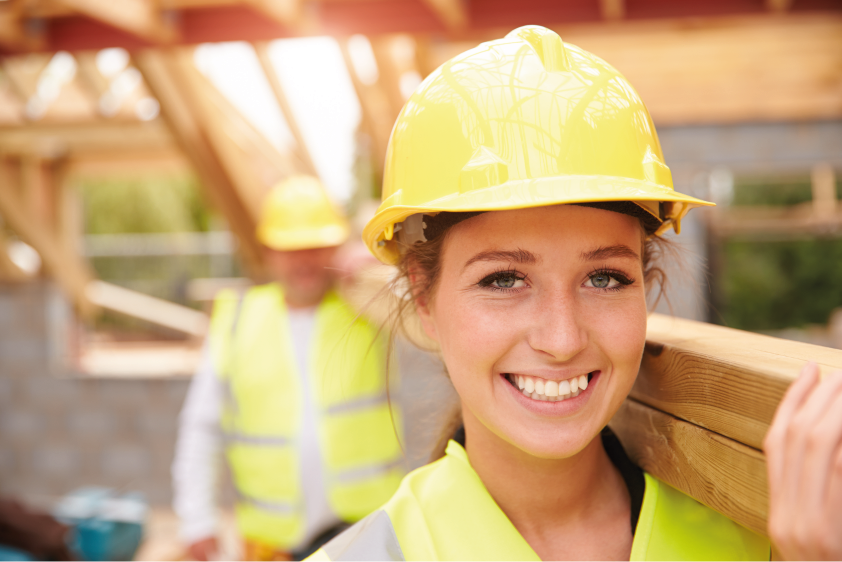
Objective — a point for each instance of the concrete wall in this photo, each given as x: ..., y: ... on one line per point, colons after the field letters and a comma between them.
x: 59, y: 431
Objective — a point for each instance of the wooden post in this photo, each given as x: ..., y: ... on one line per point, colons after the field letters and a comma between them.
x: 70, y: 271
x: 162, y: 75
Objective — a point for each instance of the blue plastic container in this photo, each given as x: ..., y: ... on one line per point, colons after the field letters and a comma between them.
x: 105, y: 525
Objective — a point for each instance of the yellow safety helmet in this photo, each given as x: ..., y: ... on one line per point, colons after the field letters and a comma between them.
x: 298, y: 215
x: 520, y: 122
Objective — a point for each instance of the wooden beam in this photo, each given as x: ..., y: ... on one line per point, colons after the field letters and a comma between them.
x: 452, y: 13
x: 9, y: 271
x: 15, y: 34
x: 157, y: 311
x: 719, y: 472
x: 103, y: 136
x: 769, y: 224
x: 163, y: 76
x: 70, y: 271
x: 254, y: 164
x: 721, y: 379
x: 612, y: 10
x: 778, y: 6
x: 138, y: 17
x: 377, y: 115
x: 301, y: 152
x: 288, y: 13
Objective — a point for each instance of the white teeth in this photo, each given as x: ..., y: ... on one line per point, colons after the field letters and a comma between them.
x: 563, y: 388
x: 549, y: 391
x: 551, y: 388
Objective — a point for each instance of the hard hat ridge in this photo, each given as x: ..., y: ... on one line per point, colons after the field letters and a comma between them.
x: 547, y: 45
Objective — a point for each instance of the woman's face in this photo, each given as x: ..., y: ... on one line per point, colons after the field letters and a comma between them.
x: 531, y: 300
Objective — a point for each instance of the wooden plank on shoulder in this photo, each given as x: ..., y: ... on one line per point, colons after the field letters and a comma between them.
x: 717, y: 471
x: 721, y: 379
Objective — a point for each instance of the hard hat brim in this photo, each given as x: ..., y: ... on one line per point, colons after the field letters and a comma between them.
x: 309, y: 239
x: 520, y: 194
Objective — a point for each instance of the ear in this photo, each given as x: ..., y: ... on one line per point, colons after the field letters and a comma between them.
x: 422, y: 307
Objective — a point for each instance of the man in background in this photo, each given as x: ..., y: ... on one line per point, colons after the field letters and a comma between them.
x: 292, y: 388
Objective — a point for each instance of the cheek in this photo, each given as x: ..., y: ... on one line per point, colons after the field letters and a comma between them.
x: 620, y: 332
x: 472, y: 337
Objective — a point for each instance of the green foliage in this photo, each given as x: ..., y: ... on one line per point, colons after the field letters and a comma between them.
x: 779, y: 192
x: 144, y: 205
x: 775, y: 285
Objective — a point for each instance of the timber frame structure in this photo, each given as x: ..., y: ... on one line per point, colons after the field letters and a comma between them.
x: 705, y: 396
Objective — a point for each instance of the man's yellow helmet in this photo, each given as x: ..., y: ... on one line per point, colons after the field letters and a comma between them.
x: 298, y: 215
x: 519, y: 122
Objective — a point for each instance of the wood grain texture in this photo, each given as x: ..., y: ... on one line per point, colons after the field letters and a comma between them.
x: 725, y: 380
x: 719, y: 472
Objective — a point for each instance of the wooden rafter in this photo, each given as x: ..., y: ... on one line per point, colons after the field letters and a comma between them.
x: 778, y: 6
x: 612, y: 10
x: 452, y: 13
x: 71, y: 272
x: 377, y: 114
x: 97, y: 136
x: 163, y: 75
x: 142, y: 18
x: 14, y: 33
x: 288, y: 13
x: 301, y: 150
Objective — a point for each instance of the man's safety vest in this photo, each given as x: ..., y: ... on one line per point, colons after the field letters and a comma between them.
x: 261, y: 421
x: 443, y: 512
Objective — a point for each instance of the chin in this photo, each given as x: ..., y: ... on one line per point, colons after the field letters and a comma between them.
x: 555, y: 444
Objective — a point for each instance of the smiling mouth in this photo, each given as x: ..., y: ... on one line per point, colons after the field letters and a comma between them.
x: 549, y: 391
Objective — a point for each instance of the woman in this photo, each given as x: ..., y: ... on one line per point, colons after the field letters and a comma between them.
x: 524, y: 197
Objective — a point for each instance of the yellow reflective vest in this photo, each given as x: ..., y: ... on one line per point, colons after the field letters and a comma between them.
x: 443, y: 512
x: 261, y: 420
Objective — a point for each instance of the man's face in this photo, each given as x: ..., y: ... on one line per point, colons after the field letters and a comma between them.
x: 305, y: 275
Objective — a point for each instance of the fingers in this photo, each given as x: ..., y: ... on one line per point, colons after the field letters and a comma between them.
x: 773, y: 443
x: 822, y: 439
x: 804, y: 454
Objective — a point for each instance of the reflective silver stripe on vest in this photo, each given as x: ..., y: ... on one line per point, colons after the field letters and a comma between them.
x: 360, y: 404
x: 362, y: 473
x: 372, y: 538
x: 256, y: 440
x: 278, y: 508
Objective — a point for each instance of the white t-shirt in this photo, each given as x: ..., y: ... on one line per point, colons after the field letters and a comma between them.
x: 198, y: 449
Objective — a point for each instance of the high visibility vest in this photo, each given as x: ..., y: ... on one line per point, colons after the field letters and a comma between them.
x: 443, y: 512
x: 262, y: 413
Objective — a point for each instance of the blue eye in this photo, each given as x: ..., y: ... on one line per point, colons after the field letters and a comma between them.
x: 503, y: 280
x: 608, y: 280
x: 601, y: 280
x: 506, y: 282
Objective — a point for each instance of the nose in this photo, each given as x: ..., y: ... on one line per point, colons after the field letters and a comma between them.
x: 560, y: 330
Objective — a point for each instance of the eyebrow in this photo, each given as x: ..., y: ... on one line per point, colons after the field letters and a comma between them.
x: 516, y: 256
x: 605, y: 252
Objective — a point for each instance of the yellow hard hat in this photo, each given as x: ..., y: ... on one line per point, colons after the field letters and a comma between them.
x: 298, y: 215
x: 520, y: 122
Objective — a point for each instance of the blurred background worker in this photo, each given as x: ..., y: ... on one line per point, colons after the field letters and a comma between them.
x: 293, y: 386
